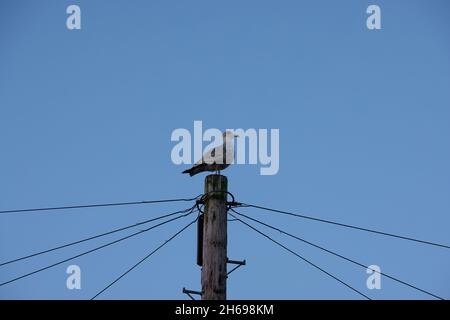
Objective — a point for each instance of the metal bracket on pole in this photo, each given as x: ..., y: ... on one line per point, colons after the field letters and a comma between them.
x: 237, y: 263
x: 191, y: 292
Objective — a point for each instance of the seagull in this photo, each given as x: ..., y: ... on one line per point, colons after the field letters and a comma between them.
x: 216, y: 159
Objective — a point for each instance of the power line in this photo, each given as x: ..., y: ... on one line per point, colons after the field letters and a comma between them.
x: 97, y: 205
x: 348, y: 226
x: 145, y: 258
x: 93, y: 237
x: 95, y: 249
x: 300, y: 257
x: 337, y: 254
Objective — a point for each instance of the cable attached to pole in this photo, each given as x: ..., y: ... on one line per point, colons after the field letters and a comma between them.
x: 145, y: 258
x: 347, y: 225
x: 93, y: 237
x: 301, y: 257
x: 95, y: 249
x: 337, y: 255
x: 97, y: 205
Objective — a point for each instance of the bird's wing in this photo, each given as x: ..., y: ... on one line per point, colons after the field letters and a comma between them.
x: 212, y: 156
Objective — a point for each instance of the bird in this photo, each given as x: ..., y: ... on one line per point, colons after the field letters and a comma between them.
x: 216, y: 159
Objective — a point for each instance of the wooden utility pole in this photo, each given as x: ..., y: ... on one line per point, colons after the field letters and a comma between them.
x: 214, y: 250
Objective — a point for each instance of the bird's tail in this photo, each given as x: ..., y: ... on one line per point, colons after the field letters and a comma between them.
x: 194, y: 170
x: 189, y: 171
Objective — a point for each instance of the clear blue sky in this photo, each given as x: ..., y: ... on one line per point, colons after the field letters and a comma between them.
x: 86, y: 116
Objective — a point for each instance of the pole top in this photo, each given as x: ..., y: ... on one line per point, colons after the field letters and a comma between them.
x: 216, y: 185
x: 215, y: 176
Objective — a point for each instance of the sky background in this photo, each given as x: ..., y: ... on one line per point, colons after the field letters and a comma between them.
x: 86, y: 117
